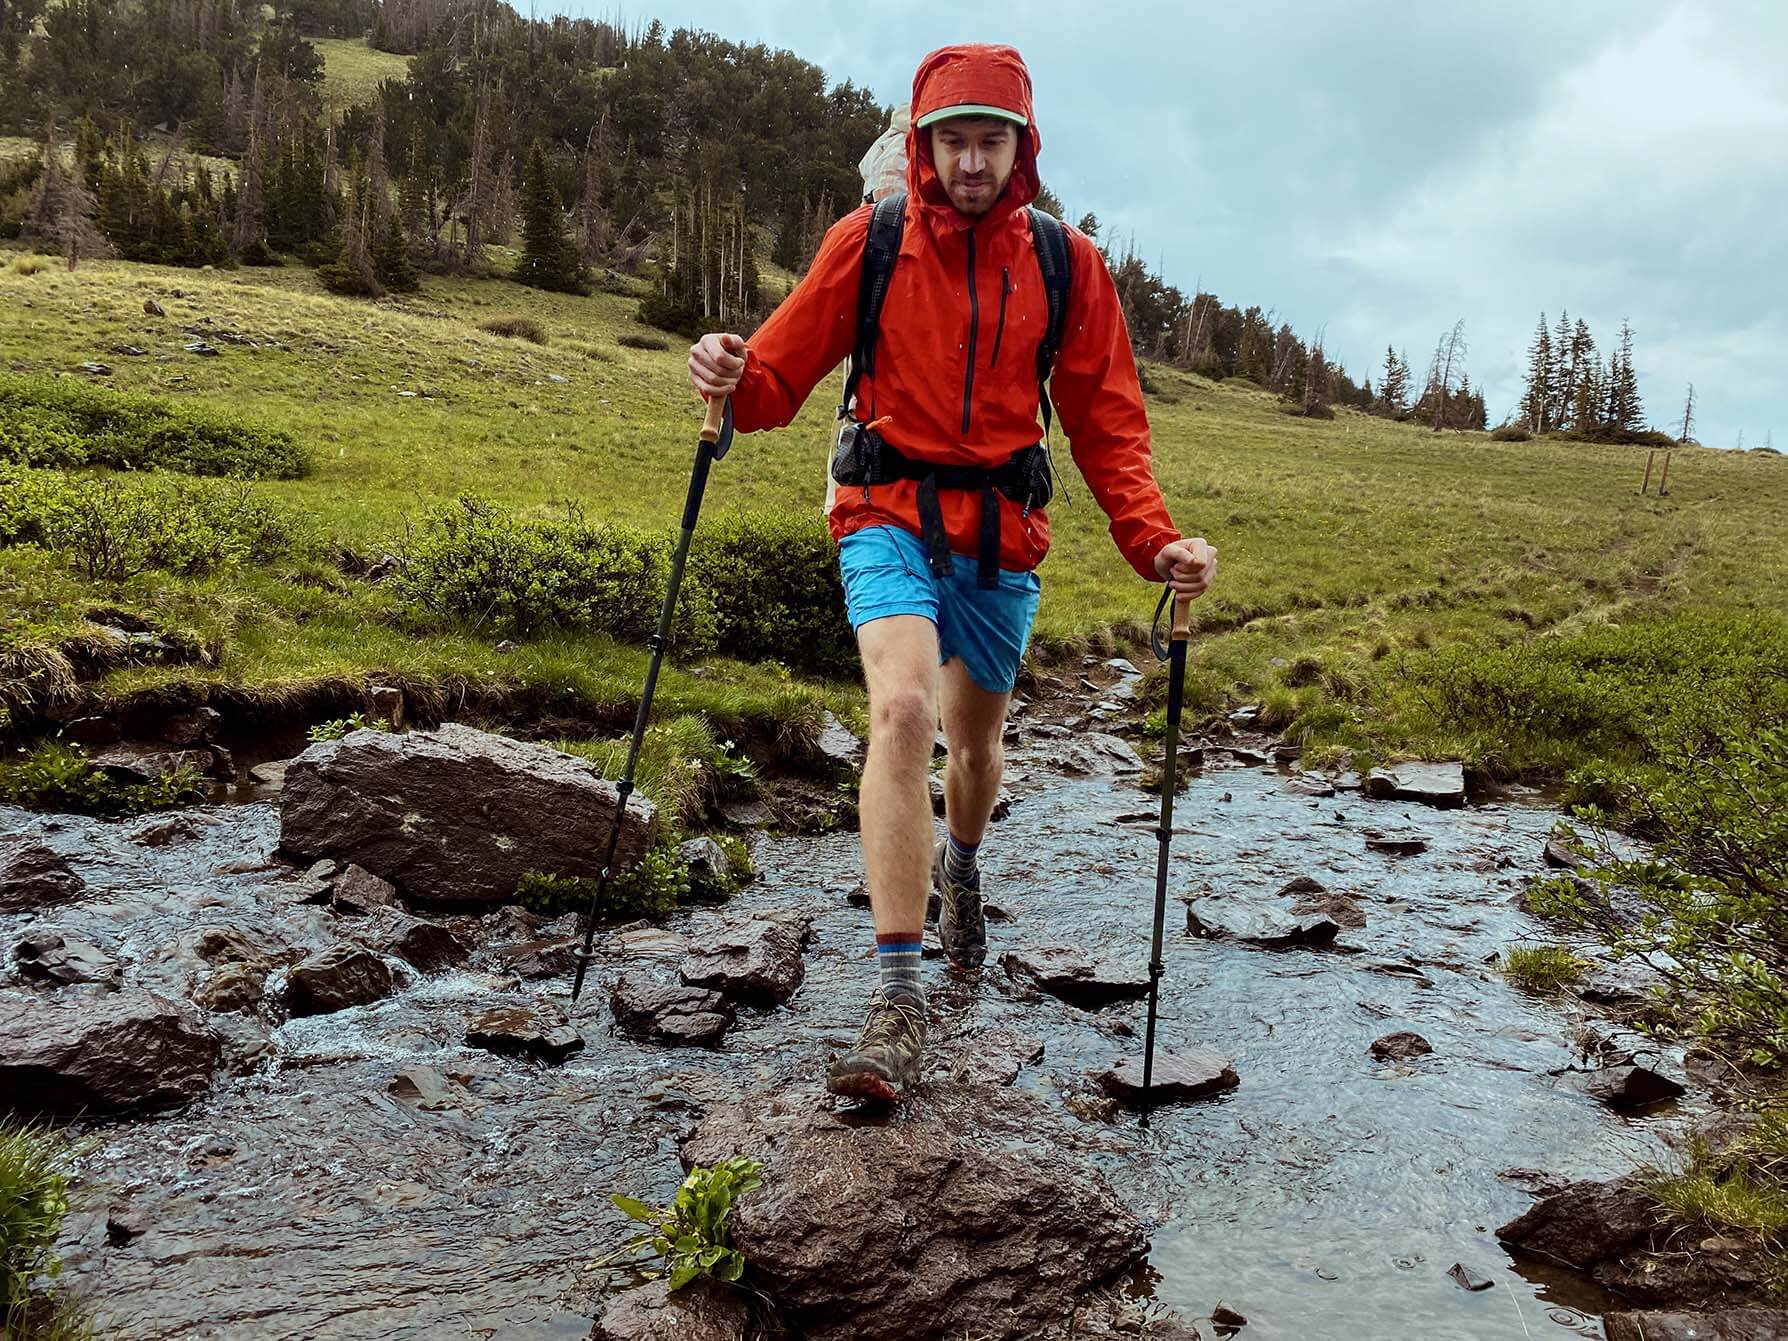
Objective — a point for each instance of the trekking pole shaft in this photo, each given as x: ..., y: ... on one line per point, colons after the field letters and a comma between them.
x: 1176, y: 689
x: 692, y: 506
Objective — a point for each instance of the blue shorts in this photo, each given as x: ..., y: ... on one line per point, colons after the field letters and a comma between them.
x: 885, y: 573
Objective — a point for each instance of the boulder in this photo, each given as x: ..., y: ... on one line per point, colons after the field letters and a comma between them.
x: 524, y: 1030
x: 548, y: 957
x: 669, y: 1013
x: 1733, y: 1324
x: 46, y: 957
x: 703, y: 1310
x: 232, y: 989
x: 1094, y: 754
x: 937, y: 1223
x: 428, y: 946
x: 709, y: 870
x: 752, y: 959
x: 99, y: 1051
x: 1180, y: 1074
x: 1274, y: 924
x: 1402, y: 1046
x: 1431, y: 784
x: 995, y: 1057
x: 358, y: 890
x: 455, y: 814
x: 132, y: 761
x: 34, y: 876
x: 1558, y: 854
x: 226, y: 945
x: 1629, y: 1086
x: 1076, y: 976
x: 1583, y: 1222
x: 339, y: 977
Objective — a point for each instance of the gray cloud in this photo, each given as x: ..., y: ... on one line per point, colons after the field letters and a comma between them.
x: 1382, y: 170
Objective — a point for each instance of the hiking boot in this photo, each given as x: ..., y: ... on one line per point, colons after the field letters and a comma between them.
x: 886, y: 1058
x: 961, y: 924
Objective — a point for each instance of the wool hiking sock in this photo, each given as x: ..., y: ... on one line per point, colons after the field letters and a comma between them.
x: 898, y: 956
x: 959, y: 861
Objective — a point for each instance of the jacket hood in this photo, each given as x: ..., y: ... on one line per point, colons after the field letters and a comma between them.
x: 972, y: 74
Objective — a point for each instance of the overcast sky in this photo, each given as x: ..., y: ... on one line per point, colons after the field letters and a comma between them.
x: 1380, y: 170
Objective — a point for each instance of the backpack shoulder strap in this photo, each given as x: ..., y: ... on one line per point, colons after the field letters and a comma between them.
x: 881, y: 248
x: 1050, y: 238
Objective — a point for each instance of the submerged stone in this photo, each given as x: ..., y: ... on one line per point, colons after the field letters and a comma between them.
x: 1075, y: 975
x: 1179, y: 1075
x: 1629, y: 1086
x: 33, y: 876
x: 525, y: 1031
x: 1402, y: 1046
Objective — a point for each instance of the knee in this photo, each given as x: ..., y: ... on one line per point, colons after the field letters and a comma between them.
x: 978, y: 758
x: 905, y: 723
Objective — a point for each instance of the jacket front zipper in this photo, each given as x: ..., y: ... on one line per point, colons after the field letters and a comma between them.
x: 968, y: 381
x: 999, y: 330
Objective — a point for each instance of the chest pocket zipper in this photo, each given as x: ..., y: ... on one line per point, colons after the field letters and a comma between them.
x: 999, y: 330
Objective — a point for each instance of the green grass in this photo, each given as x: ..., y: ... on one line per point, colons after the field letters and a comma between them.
x: 1542, y: 969
x: 352, y: 70
x: 1742, y: 1191
x: 1354, y: 553
x: 34, y: 1183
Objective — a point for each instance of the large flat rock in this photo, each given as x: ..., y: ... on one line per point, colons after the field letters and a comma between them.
x: 1076, y: 976
x: 934, y: 1222
x: 1430, y: 784
x: 455, y: 814
x: 97, y: 1050
x: 1584, y: 1222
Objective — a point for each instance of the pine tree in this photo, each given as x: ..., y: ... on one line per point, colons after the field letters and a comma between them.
x: 248, y: 234
x: 391, y: 258
x: 1393, y: 383
x: 549, y: 259
x: 1560, y: 386
x: 592, y: 219
x: 63, y: 210
x: 1626, y: 412
x: 1536, y: 399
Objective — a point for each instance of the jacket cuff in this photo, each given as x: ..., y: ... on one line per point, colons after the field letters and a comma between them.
x: 1142, y: 553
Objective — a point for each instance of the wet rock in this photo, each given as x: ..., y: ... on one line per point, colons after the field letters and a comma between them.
x: 1094, y: 754
x: 1341, y: 909
x: 752, y: 959
x: 358, y: 890
x: 646, y: 941
x: 549, y: 957
x: 995, y: 1057
x: 701, y: 1311
x: 34, y: 876
x: 336, y: 979
x: 1310, y: 784
x: 1076, y: 976
x: 427, y: 1089
x: 522, y: 1030
x: 46, y: 957
x: 1584, y: 1222
x: 1179, y: 1075
x: 428, y: 946
x: 837, y: 745
x: 1402, y: 1046
x: 99, y: 1051
x: 1432, y: 784
x: 668, y: 1013
x: 967, y: 1234
x: 707, y: 863
x: 197, y: 727
x: 270, y: 776
x: 226, y: 945
x: 132, y: 761
x: 1396, y: 844
x: 1467, y: 1279
x: 1734, y: 1324
x: 246, y: 1045
x: 1619, y: 986
x: 1558, y: 854
x: 1274, y: 924
x: 1629, y: 1086
x: 232, y: 989
x: 747, y: 814
x: 1002, y: 805
x: 92, y: 730
x: 161, y: 832
x: 388, y: 705
x: 1534, y: 1182
x: 455, y: 813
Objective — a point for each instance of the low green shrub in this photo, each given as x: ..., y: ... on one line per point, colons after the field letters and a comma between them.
x: 61, y: 778
x: 1510, y: 433
x: 62, y: 422
x: 1739, y: 1190
x: 1543, y: 969
x: 515, y: 328
x: 34, y: 1180
x: 777, y: 595
x: 652, y: 890
x: 690, y: 1236
x: 337, y: 727
x: 640, y: 340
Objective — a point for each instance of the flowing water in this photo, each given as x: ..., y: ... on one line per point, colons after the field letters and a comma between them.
x: 1326, y: 1197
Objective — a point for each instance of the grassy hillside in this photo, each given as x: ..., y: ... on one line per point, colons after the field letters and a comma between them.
x: 1346, y: 546
x: 352, y: 70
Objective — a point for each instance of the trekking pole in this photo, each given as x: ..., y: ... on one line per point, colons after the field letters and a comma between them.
x: 716, y: 437
x: 1175, y: 656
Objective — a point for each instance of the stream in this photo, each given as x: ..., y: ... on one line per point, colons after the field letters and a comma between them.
x: 1325, y: 1197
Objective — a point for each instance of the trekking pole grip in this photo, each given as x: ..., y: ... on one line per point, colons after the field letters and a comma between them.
x: 716, y: 417
x: 1182, y: 618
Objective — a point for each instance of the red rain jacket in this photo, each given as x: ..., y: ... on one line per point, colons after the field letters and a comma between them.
x: 933, y: 404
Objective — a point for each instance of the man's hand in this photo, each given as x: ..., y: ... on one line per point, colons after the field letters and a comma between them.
x: 1188, y: 566
x: 715, y: 364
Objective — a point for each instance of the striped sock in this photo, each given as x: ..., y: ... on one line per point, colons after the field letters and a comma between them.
x: 959, y: 860
x: 898, y: 956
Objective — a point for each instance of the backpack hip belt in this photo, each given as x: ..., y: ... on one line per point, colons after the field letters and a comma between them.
x: 864, y: 457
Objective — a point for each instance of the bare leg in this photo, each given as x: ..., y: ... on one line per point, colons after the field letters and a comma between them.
x: 974, y: 724
x: 900, y: 666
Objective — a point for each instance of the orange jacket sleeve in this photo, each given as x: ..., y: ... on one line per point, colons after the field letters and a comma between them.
x: 1099, y: 401
x: 807, y: 336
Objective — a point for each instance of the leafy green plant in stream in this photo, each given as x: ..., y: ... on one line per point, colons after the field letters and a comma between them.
x: 1708, y: 906
x: 337, y: 727
x: 651, y: 890
x: 1543, y: 969
x: 34, y: 1179
x: 58, y: 777
x: 690, y: 1236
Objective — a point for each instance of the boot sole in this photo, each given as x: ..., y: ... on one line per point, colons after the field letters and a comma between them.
x: 865, y: 1087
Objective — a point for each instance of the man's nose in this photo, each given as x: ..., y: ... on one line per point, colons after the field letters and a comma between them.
x: 973, y: 160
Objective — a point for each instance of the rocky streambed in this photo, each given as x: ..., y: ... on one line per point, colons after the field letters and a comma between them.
x: 349, y: 1116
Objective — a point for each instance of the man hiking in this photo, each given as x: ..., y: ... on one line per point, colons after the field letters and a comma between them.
x: 938, y: 516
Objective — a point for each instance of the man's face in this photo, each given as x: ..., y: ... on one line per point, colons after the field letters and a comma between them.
x: 974, y: 156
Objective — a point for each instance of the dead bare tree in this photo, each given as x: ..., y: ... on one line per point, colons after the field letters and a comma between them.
x: 1448, y: 354
x: 1688, y: 415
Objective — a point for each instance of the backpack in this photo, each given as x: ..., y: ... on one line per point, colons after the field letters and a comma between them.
x: 881, y: 248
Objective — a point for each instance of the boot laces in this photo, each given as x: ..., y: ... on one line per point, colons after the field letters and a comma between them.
x: 891, y: 1022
